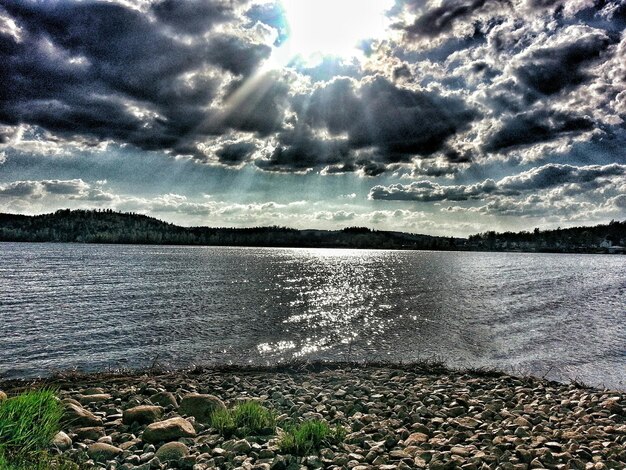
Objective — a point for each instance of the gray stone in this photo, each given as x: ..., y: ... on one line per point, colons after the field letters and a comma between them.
x: 164, y: 399
x: 62, y: 441
x: 172, y: 452
x: 240, y: 447
x: 200, y: 406
x: 92, y: 433
x: 142, y: 414
x: 101, y: 452
x: 75, y: 415
x: 95, y: 398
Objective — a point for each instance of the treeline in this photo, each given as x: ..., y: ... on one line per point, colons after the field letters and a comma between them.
x: 600, y: 238
x: 107, y: 226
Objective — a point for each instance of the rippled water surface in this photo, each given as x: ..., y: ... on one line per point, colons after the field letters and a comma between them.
x: 99, y: 306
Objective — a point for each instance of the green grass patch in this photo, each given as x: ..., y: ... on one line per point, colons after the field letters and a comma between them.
x: 39, y: 461
x: 309, y: 436
x: 246, y: 419
x: 28, y: 423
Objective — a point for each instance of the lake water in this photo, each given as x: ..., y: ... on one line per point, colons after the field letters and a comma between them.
x: 99, y: 306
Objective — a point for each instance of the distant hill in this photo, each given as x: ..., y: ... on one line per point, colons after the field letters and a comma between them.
x: 107, y: 226
x: 607, y: 238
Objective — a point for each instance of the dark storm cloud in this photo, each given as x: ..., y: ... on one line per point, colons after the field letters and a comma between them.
x: 535, y: 127
x: 194, y: 16
x: 235, y: 154
x: 373, y: 125
x: 256, y: 106
x: 103, y: 70
x: 578, y: 179
x: 233, y: 54
x: 183, y: 77
x: 549, y: 70
x: 441, y: 19
x: 37, y: 189
x: 399, y: 123
x: 301, y: 150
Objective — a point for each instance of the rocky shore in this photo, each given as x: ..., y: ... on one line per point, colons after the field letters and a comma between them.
x: 394, y: 418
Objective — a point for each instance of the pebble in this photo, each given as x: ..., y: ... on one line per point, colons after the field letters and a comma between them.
x: 393, y: 419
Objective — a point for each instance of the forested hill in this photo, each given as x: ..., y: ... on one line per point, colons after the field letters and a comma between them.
x: 604, y: 238
x: 106, y: 226
x: 113, y: 227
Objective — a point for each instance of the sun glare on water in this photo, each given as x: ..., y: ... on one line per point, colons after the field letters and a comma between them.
x: 319, y: 28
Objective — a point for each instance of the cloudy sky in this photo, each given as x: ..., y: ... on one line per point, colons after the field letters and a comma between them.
x: 439, y: 117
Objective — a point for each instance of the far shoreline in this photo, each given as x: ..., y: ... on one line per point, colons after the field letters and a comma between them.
x: 421, y: 250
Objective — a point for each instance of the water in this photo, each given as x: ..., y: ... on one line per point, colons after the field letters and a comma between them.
x: 100, y: 306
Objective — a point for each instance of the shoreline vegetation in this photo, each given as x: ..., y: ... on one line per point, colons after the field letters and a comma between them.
x: 299, y: 416
x: 107, y: 226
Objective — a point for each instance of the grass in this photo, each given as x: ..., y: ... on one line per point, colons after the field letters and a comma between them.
x: 309, y: 436
x: 39, y: 461
x: 28, y: 423
x: 246, y: 419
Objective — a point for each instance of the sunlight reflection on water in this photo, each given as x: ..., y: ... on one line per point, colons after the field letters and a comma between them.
x: 96, y: 306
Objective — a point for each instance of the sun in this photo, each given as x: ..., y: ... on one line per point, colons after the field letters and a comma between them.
x: 319, y: 28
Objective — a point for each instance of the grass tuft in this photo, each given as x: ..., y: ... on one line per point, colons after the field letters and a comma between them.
x: 28, y: 422
x: 39, y: 461
x: 309, y: 436
x: 246, y: 419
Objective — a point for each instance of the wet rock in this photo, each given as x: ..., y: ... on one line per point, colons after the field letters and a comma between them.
x: 168, y: 430
x: 142, y: 414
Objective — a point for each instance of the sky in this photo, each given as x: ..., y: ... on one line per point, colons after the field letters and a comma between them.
x: 444, y: 117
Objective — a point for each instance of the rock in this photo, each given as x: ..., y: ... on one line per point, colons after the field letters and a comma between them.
x: 416, y: 438
x: 3, y: 396
x: 279, y: 463
x: 91, y: 433
x: 143, y: 414
x: 164, y: 399
x: 62, y: 441
x: 101, y: 452
x: 456, y: 411
x: 612, y: 405
x: 172, y: 452
x: 200, y: 406
x: 168, y: 430
x: 75, y: 415
x: 95, y: 398
x: 240, y: 447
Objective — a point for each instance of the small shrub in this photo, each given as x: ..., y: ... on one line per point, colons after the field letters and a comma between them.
x: 309, y: 436
x: 245, y: 419
x: 28, y: 423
